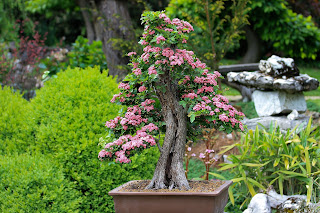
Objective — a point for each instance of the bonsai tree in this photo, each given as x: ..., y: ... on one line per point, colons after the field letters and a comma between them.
x: 169, y: 90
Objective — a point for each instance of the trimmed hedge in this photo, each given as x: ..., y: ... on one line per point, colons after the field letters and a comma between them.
x: 34, y: 184
x: 16, y: 130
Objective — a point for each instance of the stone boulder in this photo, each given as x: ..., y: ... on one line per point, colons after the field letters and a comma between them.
x: 276, y: 66
x: 261, y: 81
x: 282, y: 121
x: 277, y: 102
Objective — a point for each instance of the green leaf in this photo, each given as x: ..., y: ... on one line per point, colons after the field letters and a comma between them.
x: 231, y: 194
x: 256, y: 184
x: 217, y: 175
x: 235, y: 180
x: 253, y: 164
x: 251, y: 189
x: 228, y: 166
x: 192, y: 117
x: 183, y: 103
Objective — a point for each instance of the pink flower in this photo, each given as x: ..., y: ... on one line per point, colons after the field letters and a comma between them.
x: 190, y: 95
x: 137, y: 71
x: 193, y: 154
x: 152, y: 70
x: 151, y: 32
x: 201, y: 155
x: 209, y: 150
x: 189, y: 149
x: 160, y: 38
x: 224, y: 118
x: 142, y: 88
x: 162, y: 15
x: 124, y: 86
x: 115, y: 97
x: 132, y: 53
x: 143, y: 42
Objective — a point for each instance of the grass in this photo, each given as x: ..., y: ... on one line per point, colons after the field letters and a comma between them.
x: 313, y: 105
x: 315, y: 73
x: 248, y: 109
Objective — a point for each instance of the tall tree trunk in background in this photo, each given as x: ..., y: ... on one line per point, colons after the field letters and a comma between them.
x: 86, y: 11
x: 115, y: 23
x: 253, y: 53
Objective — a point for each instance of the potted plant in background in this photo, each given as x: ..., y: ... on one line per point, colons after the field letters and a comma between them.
x: 171, y: 91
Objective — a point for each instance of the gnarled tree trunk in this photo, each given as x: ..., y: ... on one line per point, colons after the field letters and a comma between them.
x: 169, y: 172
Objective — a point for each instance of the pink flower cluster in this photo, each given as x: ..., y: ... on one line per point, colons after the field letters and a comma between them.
x: 132, y: 53
x: 113, y: 123
x: 201, y: 106
x: 160, y: 38
x: 150, y: 49
x: 190, y: 95
x: 142, y: 88
x: 147, y: 105
x: 137, y: 71
x: 115, y: 97
x: 128, y: 143
x: 124, y: 86
x: 132, y: 117
x: 152, y: 70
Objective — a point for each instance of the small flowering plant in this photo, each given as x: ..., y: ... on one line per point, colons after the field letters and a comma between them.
x: 169, y: 90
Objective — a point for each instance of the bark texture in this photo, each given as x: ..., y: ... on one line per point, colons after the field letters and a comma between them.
x: 114, y: 22
x: 169, y: 172
x: 86, y: 14
x: 253, y: 53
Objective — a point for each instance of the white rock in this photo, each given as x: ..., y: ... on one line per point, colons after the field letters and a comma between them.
x: 293, y: 115
x: 275, y: 102
x: 259, y: 204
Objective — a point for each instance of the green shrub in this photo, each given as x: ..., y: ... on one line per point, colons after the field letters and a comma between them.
x: 34, y: 184
x: 287, y: 161
x: 16, y: 131
x: 81, y: 55
x: 70, y: 112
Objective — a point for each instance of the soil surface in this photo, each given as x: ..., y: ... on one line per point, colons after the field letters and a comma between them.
x: 196, y: 186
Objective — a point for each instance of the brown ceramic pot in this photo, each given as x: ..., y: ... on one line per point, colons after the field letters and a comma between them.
x: 167, y: 202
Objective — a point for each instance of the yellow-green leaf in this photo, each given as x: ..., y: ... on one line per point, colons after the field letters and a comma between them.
x: 276, y: 162
x: 253, y: 164
x: 231, y: 195
x: 228, y: 166
x: 286, y: 163
x: 217, y: 175
x: 235, y: 180
x: 251, y: 189
x: 256, y: 183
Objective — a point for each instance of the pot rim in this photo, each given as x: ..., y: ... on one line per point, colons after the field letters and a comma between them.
x: 216, y: 192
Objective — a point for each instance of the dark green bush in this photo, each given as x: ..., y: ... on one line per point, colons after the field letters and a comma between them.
x: 34, y: 184
x: 16, y: 131
x: 70, y: 112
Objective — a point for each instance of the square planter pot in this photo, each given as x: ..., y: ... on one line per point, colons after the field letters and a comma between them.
x: 167, y: 202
